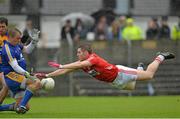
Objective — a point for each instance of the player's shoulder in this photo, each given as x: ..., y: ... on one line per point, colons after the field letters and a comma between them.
x: 93, y: 55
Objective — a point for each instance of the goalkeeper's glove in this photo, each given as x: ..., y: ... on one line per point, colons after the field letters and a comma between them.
x: 29, y: 76
x: 55, y: 65
x: 34, y: 34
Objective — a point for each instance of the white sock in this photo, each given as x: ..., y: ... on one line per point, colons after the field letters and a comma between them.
x: 160, y: 58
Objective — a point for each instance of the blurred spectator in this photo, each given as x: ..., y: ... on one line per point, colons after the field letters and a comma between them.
x: 31, y: 58
x: 155, y: 19
x: 164, y: 31
x: 101, y: 30
x: 117, y: 27
x: 176, y: 31
x: 67, y: 29
x: 152, y: 30
x: 29, y: 27
x: 150, y: 88
x: 131, y: 31
x: 80, y: 30
x: 122, y: 25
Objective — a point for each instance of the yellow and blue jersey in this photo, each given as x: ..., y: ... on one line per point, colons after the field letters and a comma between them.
x: 9, y: 53
x: 2, y: 39
x: 12, y: 78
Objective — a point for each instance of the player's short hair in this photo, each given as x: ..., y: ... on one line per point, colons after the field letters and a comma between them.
x: 4, y: 20
x: 86, y: 47
x: 13, y: 31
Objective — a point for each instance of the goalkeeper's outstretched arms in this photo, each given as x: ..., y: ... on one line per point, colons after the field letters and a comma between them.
x: 34, y: 35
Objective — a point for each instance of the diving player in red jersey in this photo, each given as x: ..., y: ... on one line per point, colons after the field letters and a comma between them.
x: 119, y: 76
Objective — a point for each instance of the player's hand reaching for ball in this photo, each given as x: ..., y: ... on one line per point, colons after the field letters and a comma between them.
x: 54, y: 64
x: 41, y: 75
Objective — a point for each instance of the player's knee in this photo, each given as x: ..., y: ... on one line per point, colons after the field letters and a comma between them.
x: 38, y: 84
x: 35, y: 86
x: 150, y: 75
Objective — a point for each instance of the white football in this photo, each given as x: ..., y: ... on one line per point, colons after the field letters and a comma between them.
x: 47, y: 83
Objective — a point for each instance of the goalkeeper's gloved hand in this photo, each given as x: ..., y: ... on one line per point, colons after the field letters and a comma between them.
x: 29, y: 76
x: 54, y: 64
x: 34, y: 34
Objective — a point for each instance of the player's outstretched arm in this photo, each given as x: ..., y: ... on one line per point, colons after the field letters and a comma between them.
x: 64, y: 69
x: 57, y: 72
x: 76, y: 65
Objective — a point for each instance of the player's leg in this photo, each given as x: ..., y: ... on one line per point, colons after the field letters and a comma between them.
x: 7, y: 107
x: 32, y: 86
x: 132, y: 84
x: 16, y: 84
x: 152, y: 68
x: 14, y: 87
x: 12, y: 107
x: 3, y: 93
x: 18, y: 97
x: 4, y: 89
x: 125, y: 76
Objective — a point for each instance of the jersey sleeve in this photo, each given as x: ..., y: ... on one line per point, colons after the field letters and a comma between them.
x: 92, y: 59
x: 9, y: 54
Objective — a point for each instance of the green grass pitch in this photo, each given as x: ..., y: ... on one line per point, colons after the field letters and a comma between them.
x: 104, y: 107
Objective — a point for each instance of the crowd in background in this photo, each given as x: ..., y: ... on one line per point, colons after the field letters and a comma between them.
x: 121, y: 28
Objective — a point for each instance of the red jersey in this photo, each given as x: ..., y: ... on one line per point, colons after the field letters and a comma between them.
x: 101, y: 69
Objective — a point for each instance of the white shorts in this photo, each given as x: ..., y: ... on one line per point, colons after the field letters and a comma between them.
x: 125, y: 75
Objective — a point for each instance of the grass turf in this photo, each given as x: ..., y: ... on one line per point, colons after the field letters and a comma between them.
x: 104, y: 107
